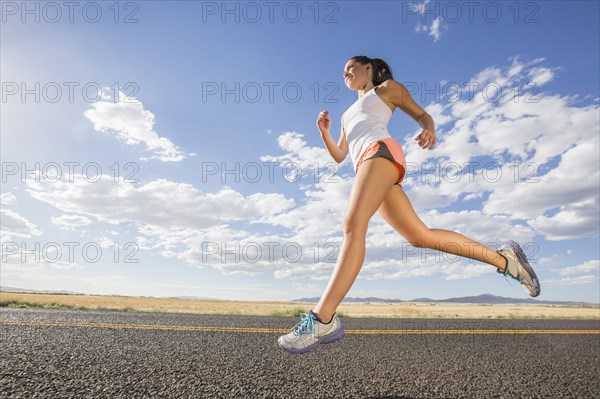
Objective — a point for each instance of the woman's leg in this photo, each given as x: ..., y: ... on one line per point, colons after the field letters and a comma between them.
x: 373, y: 180
x: 397, y: 210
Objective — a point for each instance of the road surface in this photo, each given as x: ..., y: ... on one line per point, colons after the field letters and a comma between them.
x: 53, y: 353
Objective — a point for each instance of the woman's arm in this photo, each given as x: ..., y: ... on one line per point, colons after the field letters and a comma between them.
x: 337, y: 151
x: 398, y: 94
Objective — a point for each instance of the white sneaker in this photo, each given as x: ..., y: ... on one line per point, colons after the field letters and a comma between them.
x: 519, y: 268
x: 309, y: 333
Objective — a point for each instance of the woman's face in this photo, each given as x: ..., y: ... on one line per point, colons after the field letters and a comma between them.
x: 356, y: 75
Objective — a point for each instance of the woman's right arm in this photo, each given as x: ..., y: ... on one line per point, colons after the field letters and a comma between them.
x: 337, y: 151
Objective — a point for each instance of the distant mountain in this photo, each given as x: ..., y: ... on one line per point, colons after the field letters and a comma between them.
x: 480, y: 299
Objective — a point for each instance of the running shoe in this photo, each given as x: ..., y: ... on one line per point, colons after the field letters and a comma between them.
x: 519, y: 268
x: 310, y: 332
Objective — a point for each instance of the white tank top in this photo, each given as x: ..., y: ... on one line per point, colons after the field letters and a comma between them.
x: 364, y: 122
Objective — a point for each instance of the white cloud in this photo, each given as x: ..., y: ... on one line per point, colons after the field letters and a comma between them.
x: 573, y: 221
x: 131, y: 123
x: 585, y: 267
x: 399, y: 268
x: 547, y: 259
x: 433, y: 29
x: 36, y: 258
x: 578, y: 214
x: 14, y: 225
x: 63, y: 265
x: 106, y: 243
x: 419, y: 7
x: 159, y: 202
x: 175, y: 218
x: 7, y: 199
x: 540, y: 76
x: 570, y: 281
x: 299, y: 157
x: 463, y: 272
x: 40, y: 279
x: 321, y: 215
x: 70, y: 222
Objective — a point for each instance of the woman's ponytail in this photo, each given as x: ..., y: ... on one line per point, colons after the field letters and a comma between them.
x: 381, y: 70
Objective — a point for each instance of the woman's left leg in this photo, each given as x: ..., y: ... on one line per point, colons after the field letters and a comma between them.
x: 397, y: 210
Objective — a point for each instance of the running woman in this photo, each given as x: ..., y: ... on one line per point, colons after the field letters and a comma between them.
x: 380, y: 167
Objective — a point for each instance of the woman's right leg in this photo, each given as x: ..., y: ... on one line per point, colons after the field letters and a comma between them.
x: 373, y: 180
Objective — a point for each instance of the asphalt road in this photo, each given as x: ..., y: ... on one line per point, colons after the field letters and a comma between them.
x: 84, y: 354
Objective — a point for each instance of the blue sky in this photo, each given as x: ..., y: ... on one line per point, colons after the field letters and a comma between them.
x: 159, y: 123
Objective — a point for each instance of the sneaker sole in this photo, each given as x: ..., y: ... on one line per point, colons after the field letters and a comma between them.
x: 328, y: 339
x: 525, y: 264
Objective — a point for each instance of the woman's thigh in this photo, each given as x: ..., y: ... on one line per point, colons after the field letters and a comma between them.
x: 373, y: 180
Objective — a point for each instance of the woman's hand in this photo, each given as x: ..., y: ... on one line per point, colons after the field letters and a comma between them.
x: 427, y: 139
x: 323, y: 122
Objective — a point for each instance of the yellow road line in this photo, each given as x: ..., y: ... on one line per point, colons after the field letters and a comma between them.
x: 280, y: 330
x: 401, y: 332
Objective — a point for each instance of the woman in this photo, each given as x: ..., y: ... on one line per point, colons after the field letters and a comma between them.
x: 380, y: 167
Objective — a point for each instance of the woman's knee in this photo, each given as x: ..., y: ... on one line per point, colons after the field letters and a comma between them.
x: 355, y: 225
x: 421, y: 240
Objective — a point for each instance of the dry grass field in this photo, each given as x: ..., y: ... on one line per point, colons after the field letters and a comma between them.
x: 260, y: 308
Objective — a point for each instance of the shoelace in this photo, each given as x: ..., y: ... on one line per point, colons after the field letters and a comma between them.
x: 305, y: 325
x: 506, y: 277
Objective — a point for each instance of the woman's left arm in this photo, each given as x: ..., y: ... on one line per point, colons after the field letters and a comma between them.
x: 403, y: 100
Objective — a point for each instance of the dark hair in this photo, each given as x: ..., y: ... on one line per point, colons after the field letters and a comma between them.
x: 381, y: 70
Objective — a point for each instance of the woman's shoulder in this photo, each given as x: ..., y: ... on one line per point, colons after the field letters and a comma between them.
x: 388, y: 88
x: 391, y: 84
x: 393, y: 91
